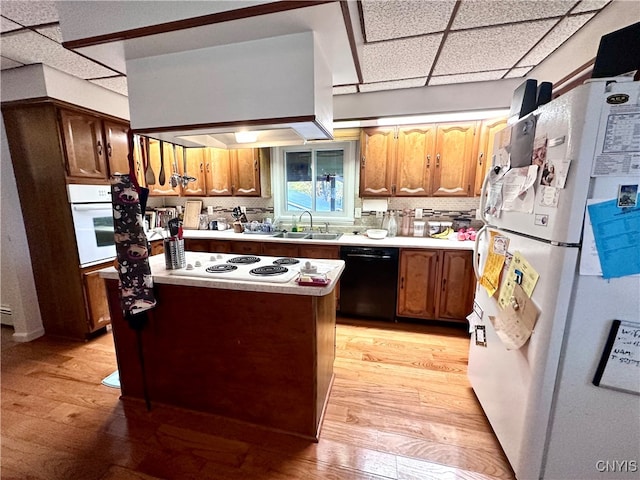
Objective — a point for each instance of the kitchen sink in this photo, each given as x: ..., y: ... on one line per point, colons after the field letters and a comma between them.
x: 292, y: 235
x: 324, y: 236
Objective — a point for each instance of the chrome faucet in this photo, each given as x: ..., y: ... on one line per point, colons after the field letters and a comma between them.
x: 310, y: 219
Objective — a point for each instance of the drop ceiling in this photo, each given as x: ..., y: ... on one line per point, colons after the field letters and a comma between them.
x: 398, y: 44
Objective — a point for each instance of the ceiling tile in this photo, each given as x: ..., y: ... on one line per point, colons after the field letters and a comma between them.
x: 555, y: 38
x: 116, y: 84
x: 398, y: 59
x: 7, y: 25
x: 467, y: 77
x: 589, y: 5
x: 29, y: 12
x: 388, y: 19
x: 518, y: 72
x: 344, y: 89
x: 477, y: 13
x: 477, y: 50
x: 30, y: 47
x: 52, y: 32
x: 408, y: 83
x: 6, y: 63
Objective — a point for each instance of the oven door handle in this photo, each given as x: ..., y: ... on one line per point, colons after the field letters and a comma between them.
x: 90, y: 207
x: 364, y: 255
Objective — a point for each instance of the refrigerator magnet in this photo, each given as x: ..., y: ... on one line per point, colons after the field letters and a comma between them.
x: 627, y: 196
x: 481, y: 337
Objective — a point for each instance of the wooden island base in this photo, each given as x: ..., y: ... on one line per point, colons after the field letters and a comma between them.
x: 263, y: 358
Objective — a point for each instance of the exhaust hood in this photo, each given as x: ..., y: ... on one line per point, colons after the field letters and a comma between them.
x: 279, y: 88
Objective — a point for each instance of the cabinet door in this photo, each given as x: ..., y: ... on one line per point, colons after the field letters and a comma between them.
x: 196, y: 245
x: 96, y: 298
x: 245, y: 171
x: 320, y: 251
x: 194, y: 166
x: 220, y: 246
x: 154, y: 160
x: 484, y: 154
x: 117, y: 147
x: 454, y: 166
x: 277, y: 249
x: 415, y: 151
x: 246, y: 248
x: 457, y: 285
x: 83, y: 140
x: 377, y: 160
x: 218, y: 172
x: 417, y: 283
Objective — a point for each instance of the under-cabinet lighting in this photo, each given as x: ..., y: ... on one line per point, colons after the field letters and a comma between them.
x: 246, y: 137
x: 429, y: 118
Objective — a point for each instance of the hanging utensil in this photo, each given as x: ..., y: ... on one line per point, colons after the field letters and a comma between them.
x: 175, y: 176
x: 149, y: 176
x: 186, y: 178
x: 161, y: 177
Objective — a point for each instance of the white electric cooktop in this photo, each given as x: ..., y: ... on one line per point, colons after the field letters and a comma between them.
x: 248, y: 268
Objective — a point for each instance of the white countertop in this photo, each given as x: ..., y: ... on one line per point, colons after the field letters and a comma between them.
x: 172, y: 277
x: 346, y: 239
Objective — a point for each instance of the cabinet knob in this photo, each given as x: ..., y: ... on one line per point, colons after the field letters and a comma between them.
x: 99, y: 147
x: 437, y: 160
x: 444, y: 284
x: 208, y: 168
x: 480, y: 158
x: 201, y: 167
x: 428, y: 161
x: 401, y: 282
x: 109, y: 150
x: 362, y: 161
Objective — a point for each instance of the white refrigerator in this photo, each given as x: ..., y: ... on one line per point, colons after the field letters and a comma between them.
x: 549, y: 417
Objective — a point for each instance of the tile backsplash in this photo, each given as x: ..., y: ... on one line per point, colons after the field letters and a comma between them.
x: 258, y: 208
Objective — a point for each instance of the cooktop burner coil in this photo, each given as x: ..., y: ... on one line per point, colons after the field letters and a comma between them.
x: 246, y: 260
x: 268, y: 270
x: 221, y: 268
x: 286, y: 261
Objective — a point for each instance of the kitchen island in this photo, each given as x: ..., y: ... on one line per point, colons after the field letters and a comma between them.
x: 254, y: 351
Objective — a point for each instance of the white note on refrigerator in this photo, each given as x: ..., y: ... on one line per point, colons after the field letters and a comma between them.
x: 618, y: 145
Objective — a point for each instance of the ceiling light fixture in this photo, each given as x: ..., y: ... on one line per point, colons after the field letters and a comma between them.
x: 246, y: 137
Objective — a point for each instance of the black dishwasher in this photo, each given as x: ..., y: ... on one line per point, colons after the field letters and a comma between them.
x: 368, y: 285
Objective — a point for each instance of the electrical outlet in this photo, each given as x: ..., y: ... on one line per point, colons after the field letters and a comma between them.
x: 379, y: 214
x: 418, y: 213
x: 210, y: 209
x: 243, y: 209
x: 358, y: 213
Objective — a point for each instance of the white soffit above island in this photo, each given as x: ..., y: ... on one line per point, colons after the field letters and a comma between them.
x: 194, y: 86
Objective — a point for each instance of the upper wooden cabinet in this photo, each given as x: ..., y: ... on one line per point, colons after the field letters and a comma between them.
x: 484, y: 154
x: 193, y: 165
x: 84, y: 145
x: 94, y: 147
x: 413, y: 165
x: 377, y: 161
x: 218, y: 172
x: 422, y: 160
x: 156, y: 161
x: 117, y: 147
x: 245, y: 172
x: 453, y: 154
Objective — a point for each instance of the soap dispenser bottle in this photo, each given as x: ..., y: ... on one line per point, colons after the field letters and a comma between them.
x: 393, y: 224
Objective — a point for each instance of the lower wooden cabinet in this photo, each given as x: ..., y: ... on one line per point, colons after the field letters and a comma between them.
x: 95, y: 295
x: 435, y: 284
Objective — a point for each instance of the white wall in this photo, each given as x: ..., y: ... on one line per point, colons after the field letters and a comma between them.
x: 17, y: 288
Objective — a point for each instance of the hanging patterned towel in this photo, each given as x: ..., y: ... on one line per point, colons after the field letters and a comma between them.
x: 132, y: 247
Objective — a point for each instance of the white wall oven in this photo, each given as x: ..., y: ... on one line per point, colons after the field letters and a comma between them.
x: 93, y: 222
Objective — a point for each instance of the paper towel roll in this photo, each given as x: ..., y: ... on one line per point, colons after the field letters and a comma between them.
x: 375, y: 205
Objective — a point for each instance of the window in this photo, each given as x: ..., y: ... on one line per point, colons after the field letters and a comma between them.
x: 318, y: 178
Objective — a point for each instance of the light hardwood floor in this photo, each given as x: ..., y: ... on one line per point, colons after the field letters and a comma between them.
x: 400, y: 408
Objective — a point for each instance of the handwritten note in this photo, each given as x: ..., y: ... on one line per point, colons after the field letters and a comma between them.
x: 619, y: 366
x: 519, y: 272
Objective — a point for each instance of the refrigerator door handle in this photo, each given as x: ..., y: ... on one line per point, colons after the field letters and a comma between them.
x: 476, y: 252
x: 483, y: 200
